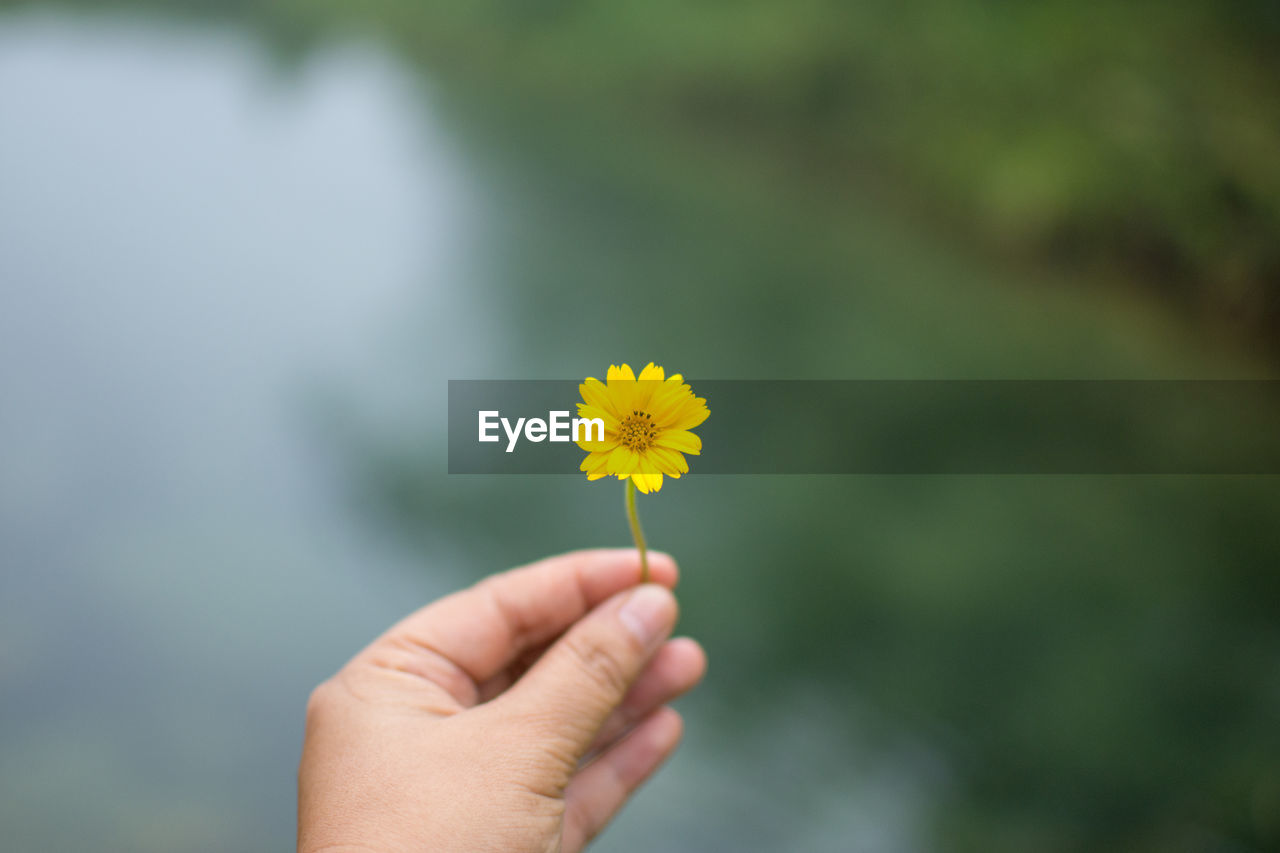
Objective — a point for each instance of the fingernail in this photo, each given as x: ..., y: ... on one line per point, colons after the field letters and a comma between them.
x: 644, y: 613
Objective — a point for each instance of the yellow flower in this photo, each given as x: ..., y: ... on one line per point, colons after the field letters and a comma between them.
x: 646, y: 425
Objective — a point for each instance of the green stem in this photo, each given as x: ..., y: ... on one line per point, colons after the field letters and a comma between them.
x: 636, y: 533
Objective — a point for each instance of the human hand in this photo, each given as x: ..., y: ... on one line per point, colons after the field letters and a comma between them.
x: 517, y: 715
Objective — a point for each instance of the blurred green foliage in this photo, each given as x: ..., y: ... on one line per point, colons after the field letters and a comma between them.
x: 1140, y: 141
x: 1091, y: 655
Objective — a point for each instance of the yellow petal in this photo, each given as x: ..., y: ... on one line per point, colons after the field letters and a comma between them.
x: 682, y: 440
x: 642, y: 397
x: 595, y: 465
x: 651, y: 372
x: 690, y: 416
x: 622, y: 383
x: 622, y: 461
x: 610, y: 439
x: 667, y: 401
x: 647, y: 478
x: 669, y: 462
x: 596, y: 394
x: 611, y: 428
x: 683, y: 402
x: 586, y: 410
x: 618, y: 374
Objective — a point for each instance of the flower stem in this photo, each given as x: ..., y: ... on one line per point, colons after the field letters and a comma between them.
x: 636, y: 533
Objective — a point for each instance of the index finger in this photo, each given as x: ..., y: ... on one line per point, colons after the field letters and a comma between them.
x: 483, y: 629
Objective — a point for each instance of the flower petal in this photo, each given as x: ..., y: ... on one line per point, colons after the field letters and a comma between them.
x: 651, y: 372
x: 596, y: 394
x: 595, y: 461
x: 647, y: 478
x: 619, y: 374
x: 690, y: 416
x: 682, y: 440
x: 622, y: 461
x: 667, y: 401
x: 610, y: 439
x: 669, y: 462
x: 595, y: 464
x: 588, y: 411
x: 622, y: 383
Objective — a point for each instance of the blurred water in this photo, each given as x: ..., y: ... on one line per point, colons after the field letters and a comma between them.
x: 198, y: 245
x: 232, y: 283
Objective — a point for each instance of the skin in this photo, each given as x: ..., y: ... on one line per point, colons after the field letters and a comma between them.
x: 517, y: 715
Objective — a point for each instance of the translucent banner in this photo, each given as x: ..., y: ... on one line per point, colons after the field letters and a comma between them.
x: 901, y: 427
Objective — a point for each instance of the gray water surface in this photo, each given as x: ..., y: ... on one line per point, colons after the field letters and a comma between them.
x: 198, y: 246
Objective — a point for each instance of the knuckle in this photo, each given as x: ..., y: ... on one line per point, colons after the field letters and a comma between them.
x: 604, y: 664
x: 328, y: 699
x: 320, y: 700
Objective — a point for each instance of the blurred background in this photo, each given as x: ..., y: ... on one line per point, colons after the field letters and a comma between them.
x: 244, y: 245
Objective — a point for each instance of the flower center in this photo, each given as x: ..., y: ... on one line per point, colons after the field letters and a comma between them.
x: 637, y: 432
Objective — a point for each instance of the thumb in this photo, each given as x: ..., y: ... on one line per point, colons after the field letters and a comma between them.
x: 584, y: 676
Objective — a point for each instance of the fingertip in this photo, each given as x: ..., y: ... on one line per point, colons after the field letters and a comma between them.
x: 689, y: 658
x: 649, y: 612
x: 665, y: 728
x: 603, y: 572
x: 648, y: 745
x: 662, y: 568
